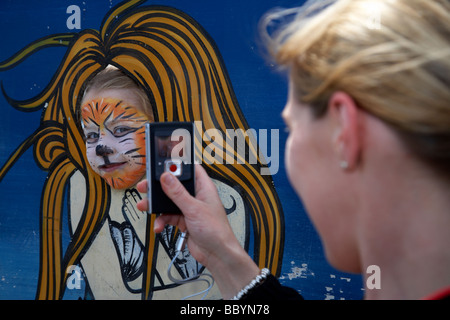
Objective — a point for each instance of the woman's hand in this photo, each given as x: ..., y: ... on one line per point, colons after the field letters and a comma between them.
x: 203, y: 217
x: 211, y: 240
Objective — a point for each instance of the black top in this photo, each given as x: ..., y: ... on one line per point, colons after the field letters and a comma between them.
x: 271, y: 289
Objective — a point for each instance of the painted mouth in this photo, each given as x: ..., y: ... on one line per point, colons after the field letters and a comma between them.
x: 111, y: 166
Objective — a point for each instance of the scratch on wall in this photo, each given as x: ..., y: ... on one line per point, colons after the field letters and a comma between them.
x: 298, y: 272
x: 334, y: 290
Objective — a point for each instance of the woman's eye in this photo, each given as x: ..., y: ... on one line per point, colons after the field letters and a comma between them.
x: 92, y: 137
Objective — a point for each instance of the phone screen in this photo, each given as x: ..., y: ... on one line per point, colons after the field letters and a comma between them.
x: 169, y: 149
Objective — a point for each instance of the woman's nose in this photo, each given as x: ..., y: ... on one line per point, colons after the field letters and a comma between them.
x: 103, y: 151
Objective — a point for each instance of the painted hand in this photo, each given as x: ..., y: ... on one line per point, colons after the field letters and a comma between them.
x: 135, y: 217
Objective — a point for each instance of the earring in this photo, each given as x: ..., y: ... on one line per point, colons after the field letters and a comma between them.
x: 343, y: 164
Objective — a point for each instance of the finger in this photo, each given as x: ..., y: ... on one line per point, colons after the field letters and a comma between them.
x: 142, y: 204
x: 204, y: 186
x: 177, y: 193
x: 168, y: 219
x: 142, y: 186
x: 201, y: 175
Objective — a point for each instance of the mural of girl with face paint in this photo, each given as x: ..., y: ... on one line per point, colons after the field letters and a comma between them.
x: 90, y: 142
x: 113, y: 112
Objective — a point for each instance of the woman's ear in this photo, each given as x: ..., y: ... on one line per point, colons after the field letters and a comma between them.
x: 347, y: 131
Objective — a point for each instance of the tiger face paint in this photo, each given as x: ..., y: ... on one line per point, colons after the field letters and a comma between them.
x: 115, y: 140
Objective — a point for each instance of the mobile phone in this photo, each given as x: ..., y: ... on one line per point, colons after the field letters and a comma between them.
x: 169, y: 148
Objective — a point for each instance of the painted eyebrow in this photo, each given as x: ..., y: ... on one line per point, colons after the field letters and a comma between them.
x: 106, y: 119
x: 89, y: 119
x: 129, y: 117
x: 107, y: 122
x: 121, y: 115
x: 107, y: 105
x: 92, y: 120
x: 90, y: 106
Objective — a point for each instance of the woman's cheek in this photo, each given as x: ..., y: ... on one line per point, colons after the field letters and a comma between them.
x: 294, y: 158
x: 288, y: 159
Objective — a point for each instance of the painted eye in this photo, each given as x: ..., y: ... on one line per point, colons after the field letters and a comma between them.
x: 122, y: 131
x: 92, y: 137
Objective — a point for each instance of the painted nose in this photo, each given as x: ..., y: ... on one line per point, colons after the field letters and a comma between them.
x: 103, y: 151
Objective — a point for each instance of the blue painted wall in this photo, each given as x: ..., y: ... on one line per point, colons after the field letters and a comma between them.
x: 261, y: 93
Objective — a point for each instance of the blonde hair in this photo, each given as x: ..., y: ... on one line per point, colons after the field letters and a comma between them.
x: 113, y: 78
x: 392, y: 57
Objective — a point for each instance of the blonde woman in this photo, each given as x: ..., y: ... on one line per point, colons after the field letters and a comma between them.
x: 368, y: 151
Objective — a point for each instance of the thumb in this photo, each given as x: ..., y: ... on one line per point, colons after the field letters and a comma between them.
x: 177, y: 192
